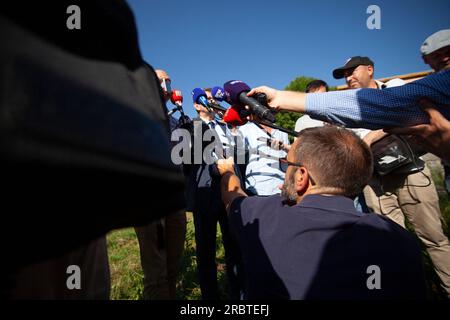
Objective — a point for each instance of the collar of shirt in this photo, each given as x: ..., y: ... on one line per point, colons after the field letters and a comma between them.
x: 329, y: 203
x: 380, y: 85
x: 205, y: 120
x: 212, y: 124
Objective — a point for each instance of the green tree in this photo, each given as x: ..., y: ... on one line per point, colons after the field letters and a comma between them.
x: 299, y: 84
x: 288, y: 119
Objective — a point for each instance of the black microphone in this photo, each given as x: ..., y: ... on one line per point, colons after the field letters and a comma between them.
x: 173, y: 111
x: 236, y: 93
x: 218, y: 107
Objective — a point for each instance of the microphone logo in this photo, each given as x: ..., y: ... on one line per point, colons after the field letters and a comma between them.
x: 176, y: 97
x: 218, y: 93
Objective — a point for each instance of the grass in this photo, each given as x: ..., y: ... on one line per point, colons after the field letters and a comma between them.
x: 125, y: 265
x: 436, y: 292
x: 126, y: 271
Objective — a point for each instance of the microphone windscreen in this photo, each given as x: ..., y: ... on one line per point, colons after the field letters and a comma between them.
x: 176, y: 96
x: 232, y: 116
x: 233, y: 89
x: 197, y: 93
x: 218, y: 94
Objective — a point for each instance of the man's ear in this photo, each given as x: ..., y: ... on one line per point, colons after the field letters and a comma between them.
x: 197, y: 107
x: 302, y: 180
x: 370, y: 69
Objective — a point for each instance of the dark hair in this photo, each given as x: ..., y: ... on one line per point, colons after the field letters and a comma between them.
x: 316, y: 84
x: 337, y: 159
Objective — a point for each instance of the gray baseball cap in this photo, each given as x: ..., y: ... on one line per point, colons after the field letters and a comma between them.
x: 435, y: 42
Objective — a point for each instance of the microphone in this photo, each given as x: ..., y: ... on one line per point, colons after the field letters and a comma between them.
x: 217, y: 108
x: 218, y: 94
x: 236, y: 93
x: 177, y: 99
x: 199, y: 96
x: 235, y: 116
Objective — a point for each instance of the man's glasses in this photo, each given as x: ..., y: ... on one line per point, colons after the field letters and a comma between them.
x: 284, y: 164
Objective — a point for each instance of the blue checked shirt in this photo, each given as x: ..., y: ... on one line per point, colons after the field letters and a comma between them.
x: 376, y: 109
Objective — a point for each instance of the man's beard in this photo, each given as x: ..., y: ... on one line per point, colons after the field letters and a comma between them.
x: 288, y: 191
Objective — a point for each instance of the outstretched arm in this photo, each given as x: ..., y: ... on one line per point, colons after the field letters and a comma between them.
x: 282, y: 100
x: 367, y: 108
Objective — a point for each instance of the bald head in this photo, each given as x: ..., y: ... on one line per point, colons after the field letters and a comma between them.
x: 161, y: 74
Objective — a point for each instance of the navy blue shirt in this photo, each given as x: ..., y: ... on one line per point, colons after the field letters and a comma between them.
x: 322, y: 249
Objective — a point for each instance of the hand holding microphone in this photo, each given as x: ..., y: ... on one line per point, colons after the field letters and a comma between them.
x: 270, y: 93
x: 237, y: 93
x: 236, y: 115
x: 282, y: 100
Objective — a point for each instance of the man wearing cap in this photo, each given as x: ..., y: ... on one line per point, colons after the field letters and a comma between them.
x: 368, y: 108
x: 407, y: 191
x: 436, y: 53
x: 436, y: 50
x: 435, y: 137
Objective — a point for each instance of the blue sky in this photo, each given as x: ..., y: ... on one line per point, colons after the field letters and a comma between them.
x: 206, y: 43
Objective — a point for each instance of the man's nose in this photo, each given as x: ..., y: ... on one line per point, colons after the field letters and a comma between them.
x: 348, y: 78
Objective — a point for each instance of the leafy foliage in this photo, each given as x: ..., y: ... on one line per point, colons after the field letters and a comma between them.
x: 299, y: 84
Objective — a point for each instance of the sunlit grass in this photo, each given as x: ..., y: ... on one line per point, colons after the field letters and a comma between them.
x: 126, y: 270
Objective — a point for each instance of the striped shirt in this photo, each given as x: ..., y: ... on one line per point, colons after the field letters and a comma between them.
x: 376, y: 109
